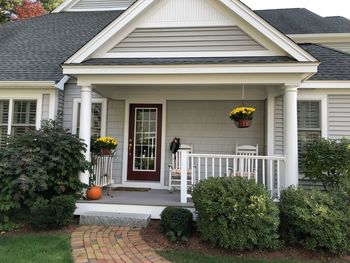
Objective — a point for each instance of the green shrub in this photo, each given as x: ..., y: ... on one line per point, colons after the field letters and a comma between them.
x: 327, y: 161
x: 176, y: 223
x: 314, y: 220
x: 56, y: 213
x: 39, y: 165
x: 236, y: 213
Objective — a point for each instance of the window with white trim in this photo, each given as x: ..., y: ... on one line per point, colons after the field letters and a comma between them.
x: 24, y: 115
x: 4, y: 119
x: 98, y: 117
x: 309, y: 123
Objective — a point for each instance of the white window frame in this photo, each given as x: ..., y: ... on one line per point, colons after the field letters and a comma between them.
x: 38, y: 115
x: 102, y: 101
x: 323, y: 99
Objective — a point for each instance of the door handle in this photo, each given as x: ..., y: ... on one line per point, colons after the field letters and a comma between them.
x: 130, y: 146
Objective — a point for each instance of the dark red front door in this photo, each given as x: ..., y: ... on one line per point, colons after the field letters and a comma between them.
x: 144, y: 147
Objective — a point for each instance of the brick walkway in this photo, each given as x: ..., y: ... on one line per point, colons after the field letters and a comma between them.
x: 100, y: 244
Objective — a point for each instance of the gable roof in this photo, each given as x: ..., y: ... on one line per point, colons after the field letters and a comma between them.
x: 33, y: 49
x: 235, y: 6
x: 303, y: 21
x: 335, y: 65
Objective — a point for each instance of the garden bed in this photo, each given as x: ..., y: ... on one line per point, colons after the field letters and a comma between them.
x: 153, y: 236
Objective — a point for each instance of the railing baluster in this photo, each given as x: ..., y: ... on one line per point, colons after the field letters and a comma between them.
x: 271, y: 176
x: 234, y: 167
x: 278, y: 179
x: 213, y: 167
x: 199, y: 169
x: 220, y: 168
x: 206, y: 168
x: 227, y: 164
x: 263, y: 172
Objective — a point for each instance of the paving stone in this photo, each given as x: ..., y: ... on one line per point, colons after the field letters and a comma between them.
x: 101, y: 244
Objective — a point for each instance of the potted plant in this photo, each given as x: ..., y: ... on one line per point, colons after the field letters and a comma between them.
x: 105, y: 145
x: 242, y: 116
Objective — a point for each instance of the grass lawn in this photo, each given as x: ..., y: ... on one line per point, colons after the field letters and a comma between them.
x: 36, y: 248
x: 191, y: 257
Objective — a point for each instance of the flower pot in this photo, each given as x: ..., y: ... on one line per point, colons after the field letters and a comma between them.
x: 94, y: 193
x: 243, y: 123
x: 106, y: 152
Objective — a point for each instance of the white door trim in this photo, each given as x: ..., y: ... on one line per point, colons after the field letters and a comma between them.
x: 125, y: 182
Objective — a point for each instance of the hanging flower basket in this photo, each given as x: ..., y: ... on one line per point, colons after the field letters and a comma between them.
x: 242, y: 116
x: 105, y: 145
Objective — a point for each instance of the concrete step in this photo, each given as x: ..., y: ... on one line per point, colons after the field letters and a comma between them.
x: 115, y: 219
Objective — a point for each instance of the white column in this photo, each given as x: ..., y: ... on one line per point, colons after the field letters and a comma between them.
x: 85, y: 125
x: 290, y: 135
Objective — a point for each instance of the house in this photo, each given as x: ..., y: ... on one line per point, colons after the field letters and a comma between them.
x: 160, y: 69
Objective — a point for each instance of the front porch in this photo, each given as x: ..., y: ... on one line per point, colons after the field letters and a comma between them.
x: 195, y: 107
x: 151, y: 202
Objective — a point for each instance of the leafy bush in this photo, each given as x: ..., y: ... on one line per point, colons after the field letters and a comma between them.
x: 314, y: 219
x: 327, y: 161
x: 39, y: 165
x: 236, y: 213
x: 176, y: 223
x: 56, y: 213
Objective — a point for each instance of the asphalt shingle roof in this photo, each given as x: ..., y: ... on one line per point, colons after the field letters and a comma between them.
x: 33, y: 49
x: 303, y: 21
x: 335, y: 65
x: 194, y: 60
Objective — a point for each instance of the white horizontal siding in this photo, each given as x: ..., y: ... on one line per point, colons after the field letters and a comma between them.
x: 338, y: 116
x: 345, y: 47
x: 190, y: 39
x: 102, y: 4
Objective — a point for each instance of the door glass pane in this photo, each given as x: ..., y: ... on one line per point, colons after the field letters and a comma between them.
x: 145, y: 139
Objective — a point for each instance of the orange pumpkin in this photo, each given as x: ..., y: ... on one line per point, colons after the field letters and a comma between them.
x: 94, y: 193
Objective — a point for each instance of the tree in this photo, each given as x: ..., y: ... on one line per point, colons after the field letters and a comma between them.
x: 7, y: 8
x: 29, y: 9
x: 50, y: 5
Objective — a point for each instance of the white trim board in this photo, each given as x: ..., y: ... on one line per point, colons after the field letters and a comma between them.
x: 235, y: 6
x: 325, y: 85
x: 125, y: 182
x: 321, y: 38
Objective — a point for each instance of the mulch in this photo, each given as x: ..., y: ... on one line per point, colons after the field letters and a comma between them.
x: 153, y: 236
x: 26, y: 229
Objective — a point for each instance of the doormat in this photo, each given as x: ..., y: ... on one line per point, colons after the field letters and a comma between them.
x: 131, y: 189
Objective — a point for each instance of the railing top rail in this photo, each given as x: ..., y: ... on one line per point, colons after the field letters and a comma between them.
x: 229, y: 156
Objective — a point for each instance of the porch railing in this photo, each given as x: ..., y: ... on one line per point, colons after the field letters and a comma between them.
x: 194, y: 167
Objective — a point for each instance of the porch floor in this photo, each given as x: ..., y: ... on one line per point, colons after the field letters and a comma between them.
x: 150, y: 198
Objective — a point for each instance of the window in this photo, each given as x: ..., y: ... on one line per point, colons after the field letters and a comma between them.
x: 4, y: 118
x: 24, y: 116
x: 309, y: 123
x: 98, y: 117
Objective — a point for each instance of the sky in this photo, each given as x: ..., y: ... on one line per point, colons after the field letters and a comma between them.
x: 321, y: 7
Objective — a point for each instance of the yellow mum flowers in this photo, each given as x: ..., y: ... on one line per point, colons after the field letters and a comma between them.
x: 242, y: 113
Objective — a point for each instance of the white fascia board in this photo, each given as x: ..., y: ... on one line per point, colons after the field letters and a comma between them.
x: 269, y: 31
x: 325, y: 85
x: 321, y: 38
x: 109, y: 31
x: 191, y: 69
x: 234, y: 5
x: 27, y: 84
x: 64, y: 5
